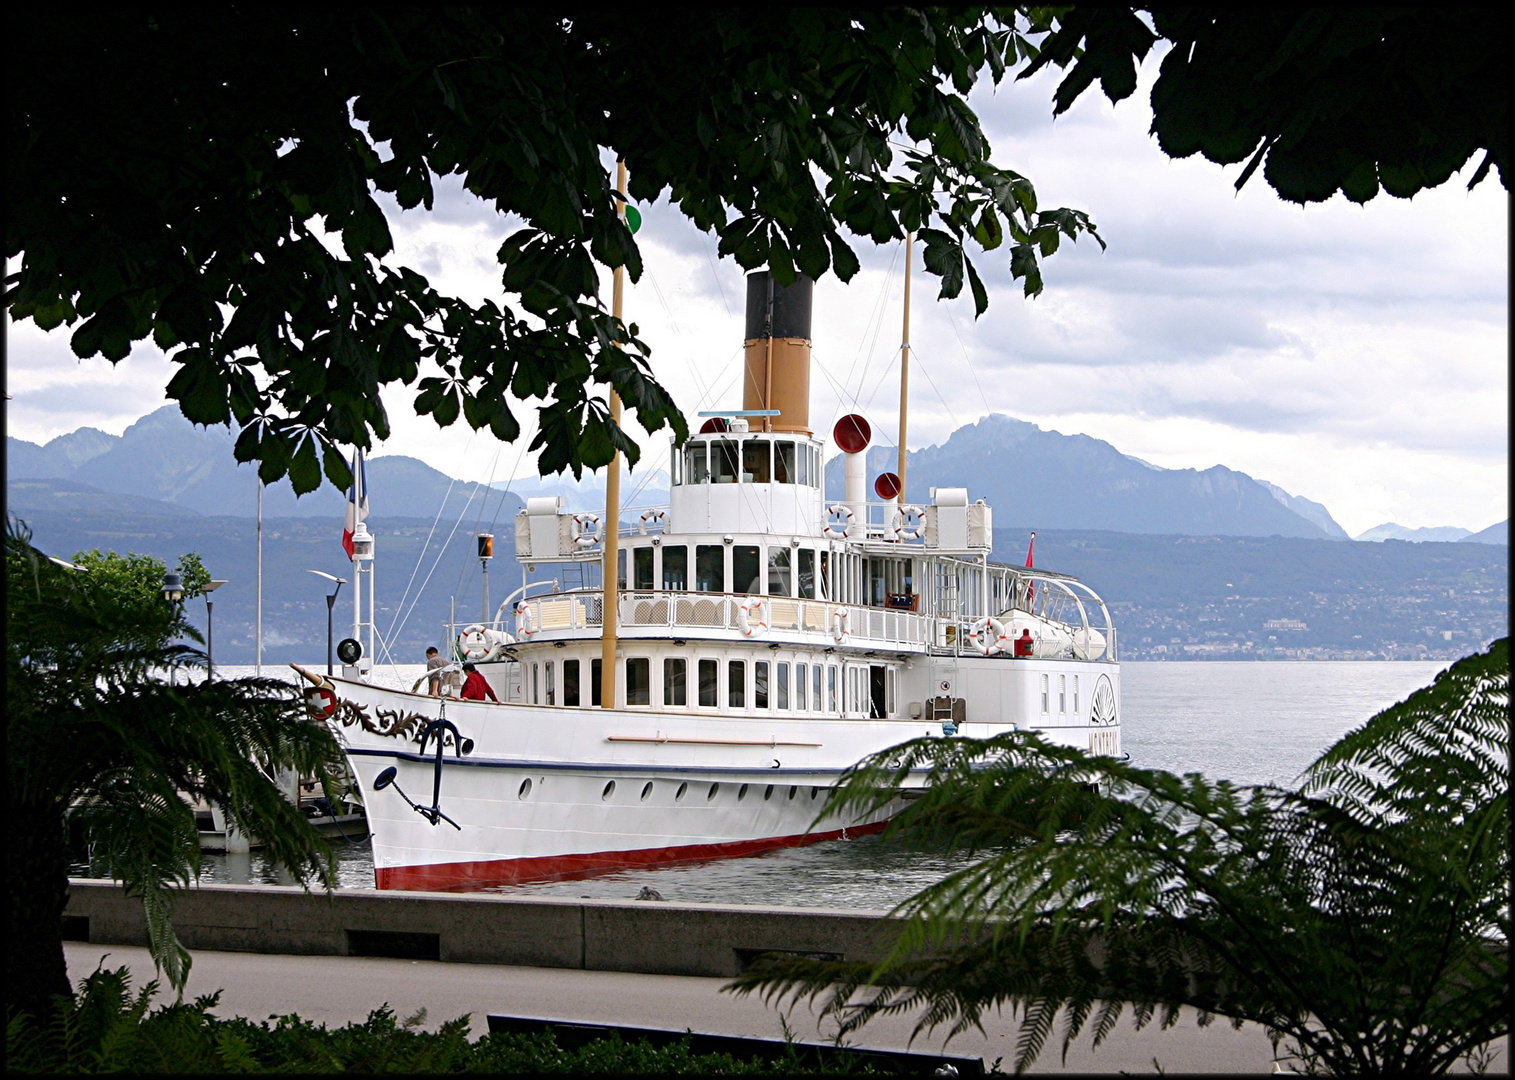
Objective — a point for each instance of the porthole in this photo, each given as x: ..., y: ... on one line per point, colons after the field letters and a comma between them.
x: 793, y: 791
x: 741, y: 793
x: 815, y: 793
x: 768, y: 793
x: 609, y: 790
x: 713, y: 789
x: 525, y: 788
x: 679, y: 794
x: 646, y: 790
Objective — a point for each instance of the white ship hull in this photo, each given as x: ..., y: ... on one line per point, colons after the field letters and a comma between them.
x: 561, y: 792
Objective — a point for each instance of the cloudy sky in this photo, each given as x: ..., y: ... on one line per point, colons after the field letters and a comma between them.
x: 1354, y: 355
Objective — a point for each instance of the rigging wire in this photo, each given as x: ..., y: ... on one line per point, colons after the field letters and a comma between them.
x: 971, y: 370
x: 421, y: 555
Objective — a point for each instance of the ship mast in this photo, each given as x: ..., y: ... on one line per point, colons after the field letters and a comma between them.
x: 608, y: 612
x: 905, y: 367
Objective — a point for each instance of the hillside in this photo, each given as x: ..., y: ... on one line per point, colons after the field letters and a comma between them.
x: 1047, y: 480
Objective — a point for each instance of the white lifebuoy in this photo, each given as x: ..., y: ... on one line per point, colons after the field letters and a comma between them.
x: 844, y: 512
x: 481, y: 644
x: 525, y: 625
x: 841, y: 622
x: 752, y: 615
x: 900, y: 523
x: 988, y: 636
x: 660, y: 516
x: 586, y: 530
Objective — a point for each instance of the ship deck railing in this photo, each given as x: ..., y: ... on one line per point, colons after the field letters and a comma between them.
x: 802, y: 620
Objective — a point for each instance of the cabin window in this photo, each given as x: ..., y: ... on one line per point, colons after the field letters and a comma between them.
x: 708, y: 680
x: 831, y: 687
x: 552, y: 684
x: 694, y: 463
x: 755, y: 464
x: 778, y: 571
x: 676, y: 568
x: 878, y: 691
x: 673, y: 682
x: 1046, y: 695
x: 1062, y: 693
x: 783, y: 463
x: 800, y: 677
x: 760, y: 684
x: 889, y: 692
x: 746, y: 569
x: 826, y: 575
x: 736, y: 684
x: 641, y: 566
x: 1075, y: 695
x: 570, y: 682
x: 876, y: 583
x: 815, y: 686
x: 710, y: 568
x: 807, y: 574
x: 638, y: 681
x: 620, y: 569
x: 536, y: 684
x: 596, y: 684
x: 781, y: 687
x: 723, y: 462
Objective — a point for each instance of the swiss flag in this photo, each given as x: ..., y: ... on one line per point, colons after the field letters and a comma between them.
x: 357, y: 502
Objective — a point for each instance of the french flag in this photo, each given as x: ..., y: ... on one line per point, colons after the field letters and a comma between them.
x: 357, y: 502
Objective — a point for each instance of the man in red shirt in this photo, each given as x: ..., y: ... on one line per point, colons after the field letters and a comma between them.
x: 476, y: 687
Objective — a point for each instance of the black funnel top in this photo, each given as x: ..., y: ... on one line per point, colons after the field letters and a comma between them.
x: 790, y: 311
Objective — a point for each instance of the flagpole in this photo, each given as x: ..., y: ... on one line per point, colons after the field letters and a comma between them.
x: 905, y: 366
x: 258, y: 618
x: 608, y: 616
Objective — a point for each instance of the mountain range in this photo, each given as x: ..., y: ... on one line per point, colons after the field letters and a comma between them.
x: 164, y: 488
x: 1032, y: 477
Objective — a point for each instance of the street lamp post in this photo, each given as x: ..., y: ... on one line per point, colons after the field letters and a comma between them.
x: 210, y: 628
x: 173, y: 596
x: 331, y: 602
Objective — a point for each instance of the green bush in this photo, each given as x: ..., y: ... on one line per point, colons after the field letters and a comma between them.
x: 107, y: 1028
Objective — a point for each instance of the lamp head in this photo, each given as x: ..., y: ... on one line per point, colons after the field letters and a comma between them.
x: 173, y: 587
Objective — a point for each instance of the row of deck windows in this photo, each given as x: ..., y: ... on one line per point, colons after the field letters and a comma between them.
x: 774, y: 685
x: 748, y: 461
x: 779, y: 570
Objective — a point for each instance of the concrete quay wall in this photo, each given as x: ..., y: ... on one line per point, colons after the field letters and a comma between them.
x: 648, y: 937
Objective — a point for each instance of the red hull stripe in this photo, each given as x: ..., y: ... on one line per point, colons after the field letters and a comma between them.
x: 463, y: 876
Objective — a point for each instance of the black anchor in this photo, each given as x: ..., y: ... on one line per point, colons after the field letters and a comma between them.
x: 440, y: 727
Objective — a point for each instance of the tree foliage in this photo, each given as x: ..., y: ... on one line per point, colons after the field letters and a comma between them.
x: 1363, y: 917
x: 1325, y: 99
x: 98, y: 739
x: 211, y: 179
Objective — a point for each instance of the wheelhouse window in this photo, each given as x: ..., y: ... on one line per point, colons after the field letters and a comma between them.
x: 673, y: 682
x: 778, y: 571
x: 710, y: 568
x: 756, y: 468
x: 723, y: 461
x: 695, y: 466
x: 831, y: 687
x: 736, y: 684
x: 781, y: 686
x: 552, y: 684
x: 641, y: 567
x: 746, y: 570
x: 815, y: 687
x: 620, y: 569
x: 638, y: 681
x: 570, y: 682
x: 709, y: 677
x: 801, y: 673
x: 783, y: 463
x: 760, y: 684
x: 807, y: 574
x: 826, y: 575
x: 676, y: 568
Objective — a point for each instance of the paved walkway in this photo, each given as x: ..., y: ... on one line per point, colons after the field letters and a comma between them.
x: 339, y: 989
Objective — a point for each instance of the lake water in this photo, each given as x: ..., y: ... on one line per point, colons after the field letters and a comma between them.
x: 1247, y: 722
